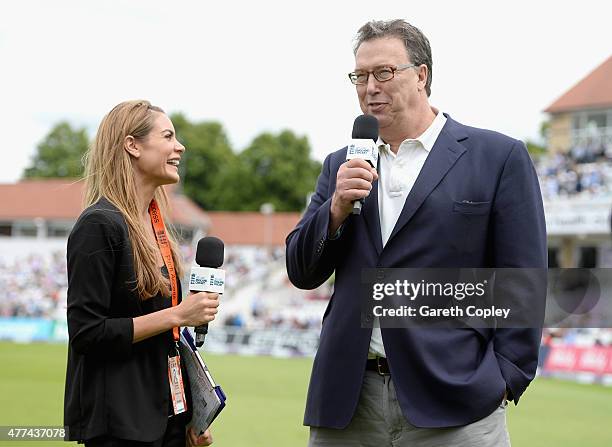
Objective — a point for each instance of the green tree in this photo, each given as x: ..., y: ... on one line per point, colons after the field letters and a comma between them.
x: 207, y: 161
x: 536, y: 149
x: 60, y: 153
x: 276, y: 169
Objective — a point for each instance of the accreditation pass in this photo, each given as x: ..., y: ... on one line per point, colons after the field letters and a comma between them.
x: 177, y: 390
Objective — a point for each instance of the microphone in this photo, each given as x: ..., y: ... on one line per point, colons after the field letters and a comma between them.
x: 363, y: 146
x: 207, y: 276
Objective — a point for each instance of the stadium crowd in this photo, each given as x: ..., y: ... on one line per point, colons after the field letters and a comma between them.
x: 33, y: 286
x: 36, y: 285
x: 578, y: 336
x: 583, y: 171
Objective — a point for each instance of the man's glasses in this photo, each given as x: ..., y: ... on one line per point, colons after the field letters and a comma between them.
x: 381, y: 74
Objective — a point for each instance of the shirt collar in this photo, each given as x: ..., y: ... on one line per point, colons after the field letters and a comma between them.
x: 427, y: 138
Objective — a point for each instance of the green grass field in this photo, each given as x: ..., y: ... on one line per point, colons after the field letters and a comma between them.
x: 266, y: 401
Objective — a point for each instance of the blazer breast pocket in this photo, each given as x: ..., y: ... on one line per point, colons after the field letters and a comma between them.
x: 471, y: 220
x: 468, y: 207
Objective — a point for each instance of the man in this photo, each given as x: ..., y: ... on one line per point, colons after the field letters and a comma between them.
x: 448, y: 196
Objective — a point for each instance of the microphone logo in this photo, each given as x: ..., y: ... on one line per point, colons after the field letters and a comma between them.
x: 364, y: 149
x: 195, y: 279
x: 356, y: 150
x: 207, y: 279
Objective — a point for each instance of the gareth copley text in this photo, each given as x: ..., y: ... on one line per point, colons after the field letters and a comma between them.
x: 456, y: 311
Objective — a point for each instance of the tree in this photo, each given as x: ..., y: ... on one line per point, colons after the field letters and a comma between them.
x: 276, y: 169
x: 60, y: 153
x: 207, y: 160
x: 535, y: 149
x: 273, y: 169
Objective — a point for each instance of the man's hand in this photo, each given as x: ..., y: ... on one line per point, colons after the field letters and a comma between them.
x: 353, y: 182
x: 193, y: 440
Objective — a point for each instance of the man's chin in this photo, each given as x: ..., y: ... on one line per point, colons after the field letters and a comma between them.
x: 383, y: 120
x: 367, y: 111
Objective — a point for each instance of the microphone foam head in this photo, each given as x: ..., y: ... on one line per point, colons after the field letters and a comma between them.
x: 210, y: 252
x: 365, y: 127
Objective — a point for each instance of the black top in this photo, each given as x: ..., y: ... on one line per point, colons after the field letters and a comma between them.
x: 113, y: 387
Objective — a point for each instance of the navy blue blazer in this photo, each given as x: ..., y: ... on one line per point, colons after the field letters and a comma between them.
x: 443, y: 377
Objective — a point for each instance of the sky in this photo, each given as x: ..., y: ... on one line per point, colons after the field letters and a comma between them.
x: 271, y: 65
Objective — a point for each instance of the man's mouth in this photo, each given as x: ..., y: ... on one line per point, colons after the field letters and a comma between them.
x: 376, y: 105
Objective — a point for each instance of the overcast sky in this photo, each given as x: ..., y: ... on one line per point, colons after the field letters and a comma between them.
x: 264, y: 66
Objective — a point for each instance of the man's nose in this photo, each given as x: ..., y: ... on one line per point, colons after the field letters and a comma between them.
x: 373, y: 85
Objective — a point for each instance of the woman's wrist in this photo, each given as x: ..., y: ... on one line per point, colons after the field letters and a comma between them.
x: 175, y: 317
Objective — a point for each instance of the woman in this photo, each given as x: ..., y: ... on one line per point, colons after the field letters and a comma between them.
x: 124, y: 306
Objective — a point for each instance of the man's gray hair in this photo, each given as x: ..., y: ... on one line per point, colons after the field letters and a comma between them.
x: 417, y: 45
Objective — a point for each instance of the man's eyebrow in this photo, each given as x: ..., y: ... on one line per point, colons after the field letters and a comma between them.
x: 376, y: 67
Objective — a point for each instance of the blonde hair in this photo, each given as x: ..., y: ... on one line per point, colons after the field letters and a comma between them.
x: 109, y: 174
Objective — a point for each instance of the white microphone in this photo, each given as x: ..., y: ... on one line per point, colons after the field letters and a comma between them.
x: 207, y: 276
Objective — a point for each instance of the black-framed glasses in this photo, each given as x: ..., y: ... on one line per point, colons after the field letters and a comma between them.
x: 381, y: 74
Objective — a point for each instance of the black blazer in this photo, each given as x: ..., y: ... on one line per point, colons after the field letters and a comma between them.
x: 113, y: 387
x: 476, y: 203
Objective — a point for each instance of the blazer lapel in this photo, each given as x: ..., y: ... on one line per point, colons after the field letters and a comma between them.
x: 371, y: 217
x: 443, y: 155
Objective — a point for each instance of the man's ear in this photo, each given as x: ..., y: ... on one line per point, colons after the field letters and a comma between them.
x: 129, y: 144
x: 423, y: 73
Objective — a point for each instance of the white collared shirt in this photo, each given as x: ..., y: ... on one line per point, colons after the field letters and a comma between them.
x: 397, y: 174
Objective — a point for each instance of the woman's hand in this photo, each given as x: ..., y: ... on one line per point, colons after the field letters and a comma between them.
x: 197, y: 309
x: 193, y: 440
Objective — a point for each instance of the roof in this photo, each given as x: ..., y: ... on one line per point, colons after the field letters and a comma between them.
x: 592, y: 92
x: 250, y: 228
x: 62, y: 199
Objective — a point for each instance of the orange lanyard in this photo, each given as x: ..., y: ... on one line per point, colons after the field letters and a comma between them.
x: 166, y: 252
